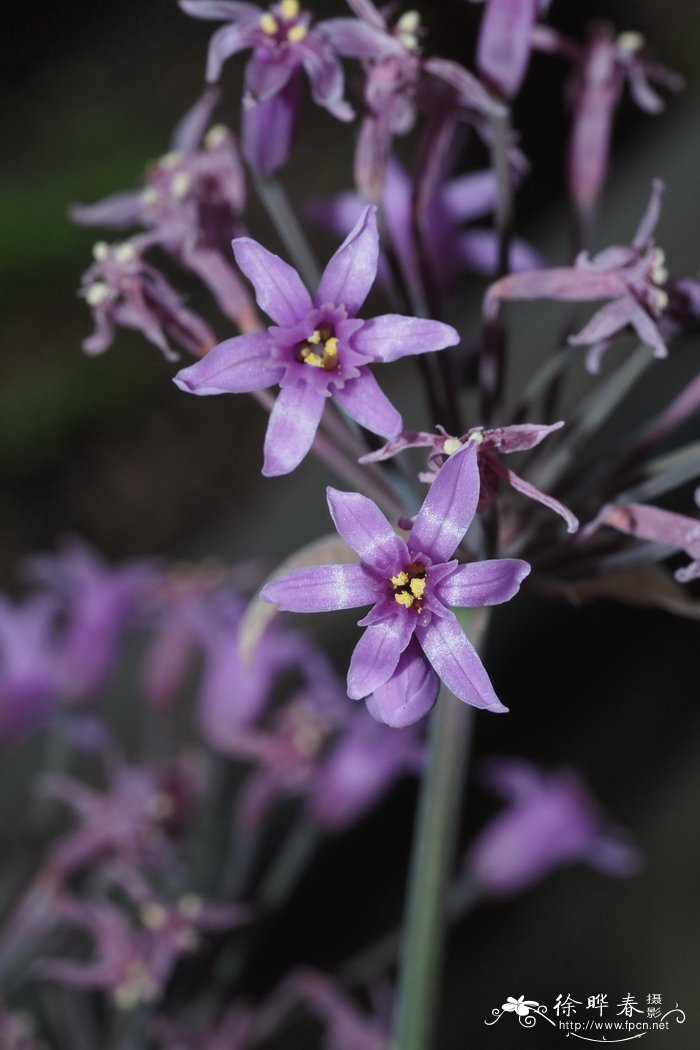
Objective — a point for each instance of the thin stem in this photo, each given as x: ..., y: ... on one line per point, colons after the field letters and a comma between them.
x: 434, y: 846
x: 274, y: 199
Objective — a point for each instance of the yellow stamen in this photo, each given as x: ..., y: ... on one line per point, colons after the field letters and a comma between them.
x: 660, y: 299
x: 181, y: 184
x: 331, y: 347
x: 313, y: 359
x: 477, y: 437
x: 400, y: 580
x: 170, y: 160
x: 216, y: 136
x: 409, y: 41
x: 659, y: 273
x: 417, y: 586
x: 630, y: 41
x: 409, y: 21
x: 297, y: 33
x: 100, y: 250
x: 153, y: 915
x: 404, y: 598
x: 268, y: 24
x: 289, y: 9
x: 451, y: 446
x: 190, y: 905
x: 314, y: 338
x: 97, y: 293
x: 124, y: 253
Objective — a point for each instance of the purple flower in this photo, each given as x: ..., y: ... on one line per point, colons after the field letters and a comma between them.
x: 347, y: 1027
x: 505, y: 42
x: 191, y: 204
x: 632, y: 278
x: 318, y: 348
x: 410, y: 585
x: 283, y: 42
x: 654, y: 523
x: 30, y: 670
x: 451, y: 249
x: 551, y: 820
x: 490, y: 444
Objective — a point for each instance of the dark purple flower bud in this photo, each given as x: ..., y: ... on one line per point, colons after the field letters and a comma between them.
x: 661, y: 526
x: 30, y: 666
x: 551, y: 820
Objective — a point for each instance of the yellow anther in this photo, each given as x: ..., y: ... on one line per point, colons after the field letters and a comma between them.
x: 660, y: 299
x: 190, y: 904
x: 400, y: 580
x: 630, y: 41
x: 313, y: 359
x: 216, y: 136
x: 297, y: 33
x: 170, y: 160
x: 331, y: 346
x: 404, y: 598
x: 269, y: 24
x: 153, y: 915
x: 124, y: 253
x: 417, y: 586
x: 150, y: 195
x: 100, y: 250
x: 181, y: 184
x: 409, y: 21
x: 289, y: 9
x: 97, y: 293
x: 409, y: 41
x: 477, y: 437
x: 451, y: 446
x: 659, y: 273
x: 314, y: 338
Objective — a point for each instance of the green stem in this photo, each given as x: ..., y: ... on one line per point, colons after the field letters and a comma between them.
x: 274, y: 199
x: 434, y: 847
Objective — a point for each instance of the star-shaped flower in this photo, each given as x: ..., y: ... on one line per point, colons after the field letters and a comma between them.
x: 410, y: 585
x: 317, y: 348
x: 520, y: 1006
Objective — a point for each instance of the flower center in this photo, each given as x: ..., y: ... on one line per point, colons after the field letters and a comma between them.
x: 281, y: 23
x: 320, y: 349
x: 409, y: 586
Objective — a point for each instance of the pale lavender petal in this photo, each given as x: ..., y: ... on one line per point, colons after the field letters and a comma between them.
x: 647, y: 331
x: 366, y: 403
x: 292, y: 428
x: 350, y: 273
x: 353, y: 39
x: 456, y: 661
x: 190, y: 130
x: 368, y: 12
x: 265, y: 78
x: 115, y: 212
x: 529, y: 490
x: 650, y: 218
x: 226, y: 41
x: 268, y: 127
x: 377, y: 653
x: 409, y: 694
x: 322, y: 588
x: 392, y: 336
x: 235, y: 366
x: 483, y: 583
x: 364, y: 528
x: 279, y: 290
x: 449, y: 507
x: 470, y: 92
x: 470, y: 196
x: 325, y: 75
x: 568, y: 283
x: 221, y: 9
x: 478, y: 249
x: 608, y: 321
x: 503, y: 48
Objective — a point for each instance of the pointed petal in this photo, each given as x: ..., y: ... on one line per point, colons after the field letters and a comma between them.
x: 366, y: 403
x: 279, y: 290
x: 350, y: 274
x: 268, y: 127
x: 116, y: 211
x: 377, y: 654
x: 529, y: 490
x: 456, y: 661
x: 325, y: 75
x: 392, y: 336
x: 650, y: 218
x: 223, y: 9
x: 265, y: 78
x: 479, y: 251
x: 190, y: 130
x: 226, y: 41
x: 568, y: 283
x: 353, y: 39
x: 449, y: 507
x: 469, y: 197
x: 235, y: 366
x: 483, y: 582
x: 292, y: 428
x: 409, y: 694
x: 364, y: 528
x: 503, y: 48
x: 322, y: 588
x: 647, y: 331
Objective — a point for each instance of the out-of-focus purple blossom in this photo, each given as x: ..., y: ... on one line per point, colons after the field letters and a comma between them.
x: 632, y: 278
x: 653, y: 523
x: 98, y: 602
x: 318, y: 348
x: 283, y: 41
x: 191, y: 203
x: 451, y: 249
x: 398, y: 79
x: 505, y: 42
x: 18, y: 1031
x: 234, y: 1030
x: 360, y: 769
x: 551, y: 820
x: 490, y: 444
x: 410, y: 585
x: 346, y: 1026
x: 30, y: 665
x: 121, y: 288
x: 604, y: 66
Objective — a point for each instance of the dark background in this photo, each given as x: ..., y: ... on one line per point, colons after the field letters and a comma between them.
x: 110, y: 449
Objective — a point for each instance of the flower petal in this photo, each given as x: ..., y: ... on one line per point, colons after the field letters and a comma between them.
x: 350, y: 273
x: 366, y: 403
x: 483, y: 582
x: 377, y: 653
x: 325, y: 75
x: 391, y: 336
x: 116, y: 211
x: 322, y: 588
x: 364, y: 528
x: 279, y: 289
x: 409, y: 694
x: 292, y: 428
x: 449, y: 507
x: 235, y: 366
x: 268, y: 127
x: 226, y: 41
x: 457, y: 662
